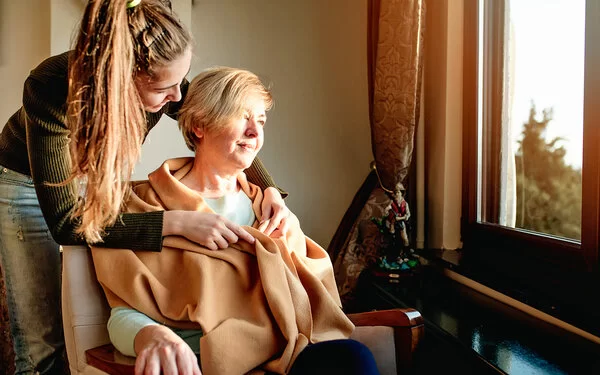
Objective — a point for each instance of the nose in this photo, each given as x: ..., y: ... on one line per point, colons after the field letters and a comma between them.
x: 252, y: 128
x: 175, y: 94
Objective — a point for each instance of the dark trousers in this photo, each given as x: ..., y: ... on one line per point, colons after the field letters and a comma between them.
x: 347, y: 357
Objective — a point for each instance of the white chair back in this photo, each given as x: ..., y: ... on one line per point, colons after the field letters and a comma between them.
x: 84, y: 308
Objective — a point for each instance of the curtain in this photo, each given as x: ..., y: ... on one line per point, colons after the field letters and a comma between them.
x: 395, y: 62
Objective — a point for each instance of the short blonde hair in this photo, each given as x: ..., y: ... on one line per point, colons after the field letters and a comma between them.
x: 215, y: 96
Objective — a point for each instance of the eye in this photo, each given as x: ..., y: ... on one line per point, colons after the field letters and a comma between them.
x: 262, y: 122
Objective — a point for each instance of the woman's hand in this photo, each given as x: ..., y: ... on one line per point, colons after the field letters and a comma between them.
x: 207, y: 229
x: 161, y: 351
x: 274, y: 212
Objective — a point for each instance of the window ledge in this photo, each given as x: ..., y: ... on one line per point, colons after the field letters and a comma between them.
x: 502, y: 338
x: 562, y: 296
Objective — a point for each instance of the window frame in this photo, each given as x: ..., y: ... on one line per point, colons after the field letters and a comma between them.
x: 546, y: 264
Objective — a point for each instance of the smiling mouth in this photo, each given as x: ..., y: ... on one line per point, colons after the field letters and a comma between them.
x: 246, y: 146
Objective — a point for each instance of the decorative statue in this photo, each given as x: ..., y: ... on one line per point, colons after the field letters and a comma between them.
x: 398, y: 256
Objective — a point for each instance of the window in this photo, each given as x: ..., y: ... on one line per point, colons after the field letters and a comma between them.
x: 531, y: 203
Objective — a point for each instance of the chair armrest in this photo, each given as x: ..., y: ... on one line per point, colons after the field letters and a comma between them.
x: 406, y: 317
x: 408, y: 325
x: 110, y: 360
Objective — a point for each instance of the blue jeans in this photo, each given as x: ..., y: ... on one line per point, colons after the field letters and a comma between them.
x: 30, y: 260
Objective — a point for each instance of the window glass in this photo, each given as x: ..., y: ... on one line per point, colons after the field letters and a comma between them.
x: 539, y: 70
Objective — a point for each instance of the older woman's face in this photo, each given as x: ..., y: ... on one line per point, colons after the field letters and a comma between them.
x: 237, y: 143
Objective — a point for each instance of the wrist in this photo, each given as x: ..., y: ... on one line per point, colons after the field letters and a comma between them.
x: 171, y: 223
x: 272, y: 192
x: 148, y: 334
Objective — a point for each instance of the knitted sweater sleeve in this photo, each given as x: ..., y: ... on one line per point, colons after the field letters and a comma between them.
x: 44, y: 99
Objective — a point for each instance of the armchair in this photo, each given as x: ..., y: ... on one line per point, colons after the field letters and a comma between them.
x: 392, y: 335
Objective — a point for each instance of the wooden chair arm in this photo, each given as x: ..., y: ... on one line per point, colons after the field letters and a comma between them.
x: 110, y: 360
x: 406, y: 317
x: 408, y: 325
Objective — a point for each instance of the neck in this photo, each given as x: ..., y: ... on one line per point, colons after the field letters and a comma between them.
x: 210, y: 181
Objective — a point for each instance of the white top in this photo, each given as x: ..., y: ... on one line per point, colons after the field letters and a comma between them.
x: 236, y: 207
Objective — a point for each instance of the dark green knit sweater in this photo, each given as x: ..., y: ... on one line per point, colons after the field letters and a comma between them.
x: 34, y: 142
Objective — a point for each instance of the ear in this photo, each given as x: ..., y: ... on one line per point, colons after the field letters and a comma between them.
x: 198, y: 132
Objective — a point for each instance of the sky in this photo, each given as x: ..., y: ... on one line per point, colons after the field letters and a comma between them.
x: 549, y: 42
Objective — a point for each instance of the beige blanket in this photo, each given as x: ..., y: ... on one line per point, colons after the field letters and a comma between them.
x: 259, y: 305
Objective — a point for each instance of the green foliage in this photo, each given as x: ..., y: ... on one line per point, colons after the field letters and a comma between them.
x: 548, y: 189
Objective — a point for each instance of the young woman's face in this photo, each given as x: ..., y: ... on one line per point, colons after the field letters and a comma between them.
x: 235, y: 145
x: 165, y: 85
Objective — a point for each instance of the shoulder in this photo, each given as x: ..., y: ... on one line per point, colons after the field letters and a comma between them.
x: 45, y: 92
x: 54, y: 68
x: 49, y: 79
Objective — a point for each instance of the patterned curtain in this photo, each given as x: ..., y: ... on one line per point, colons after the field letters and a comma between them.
x: 395, y: 64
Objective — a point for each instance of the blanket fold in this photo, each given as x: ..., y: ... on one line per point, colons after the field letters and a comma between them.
x: 258, y: 304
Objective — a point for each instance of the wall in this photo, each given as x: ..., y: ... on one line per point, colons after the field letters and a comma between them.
x: 24, y: 41
x: 312, y: 52
x: 65, y: 16
x: 443, y: 123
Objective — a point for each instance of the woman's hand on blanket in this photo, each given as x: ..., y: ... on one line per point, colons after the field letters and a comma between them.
x: 274, y: 213
x: 207, y: 229
x: 160, y: 351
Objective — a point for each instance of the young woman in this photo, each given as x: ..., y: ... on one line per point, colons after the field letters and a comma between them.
x: 66, y: 156
x: 271, y: 306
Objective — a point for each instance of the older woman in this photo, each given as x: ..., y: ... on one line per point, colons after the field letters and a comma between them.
x: 269, y: 306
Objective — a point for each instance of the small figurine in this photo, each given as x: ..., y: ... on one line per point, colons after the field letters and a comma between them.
x: 393, y: 226
x: 398, y: 215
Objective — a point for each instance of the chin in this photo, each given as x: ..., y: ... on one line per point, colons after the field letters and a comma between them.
x: 246, y: 164
x: 155, y: 108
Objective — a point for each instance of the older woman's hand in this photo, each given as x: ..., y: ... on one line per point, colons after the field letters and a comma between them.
x: 161, y: 351
x: 207, y: 229
x: 274, y: 212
